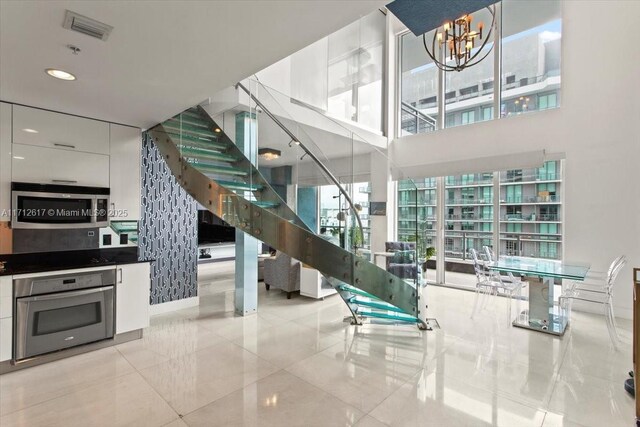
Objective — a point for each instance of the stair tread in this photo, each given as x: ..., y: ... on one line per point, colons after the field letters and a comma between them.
x: 226, y: 170
x: 198, y: 143
x: 190, y: 120
x: 382, y: 305
x: 203, y: 153
x: 240, y: 185
x: 188, y: 129
x: 400, y: 317
x: 266, y: 204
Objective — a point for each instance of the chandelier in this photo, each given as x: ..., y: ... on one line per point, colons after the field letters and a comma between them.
x: 459, y: 40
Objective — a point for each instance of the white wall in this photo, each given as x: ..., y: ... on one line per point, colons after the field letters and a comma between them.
x: 596, y: 130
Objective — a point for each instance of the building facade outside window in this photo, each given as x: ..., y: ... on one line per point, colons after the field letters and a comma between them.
x: 528, y: 214
x: 530, y: 72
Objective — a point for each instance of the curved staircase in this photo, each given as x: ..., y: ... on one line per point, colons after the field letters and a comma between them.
x: 215, y: 172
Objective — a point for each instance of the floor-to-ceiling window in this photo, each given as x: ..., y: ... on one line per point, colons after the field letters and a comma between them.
x: 529, y: 72
x: 528, y: 212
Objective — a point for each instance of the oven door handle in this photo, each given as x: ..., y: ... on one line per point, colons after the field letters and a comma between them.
x: 63, y: 295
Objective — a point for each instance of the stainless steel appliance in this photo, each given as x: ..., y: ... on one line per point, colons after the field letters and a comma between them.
x: 57, y: 311
x: 58, y: 206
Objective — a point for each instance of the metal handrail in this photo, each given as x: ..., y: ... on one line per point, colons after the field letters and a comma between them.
x: 307, y: 152
x: 419, y: 114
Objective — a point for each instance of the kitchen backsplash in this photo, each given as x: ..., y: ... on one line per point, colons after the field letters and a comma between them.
x: 35, y: 240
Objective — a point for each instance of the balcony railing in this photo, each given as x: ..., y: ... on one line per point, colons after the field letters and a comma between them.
x: 476, y: 180
x: 532, y: 217
x: 531, y: 177
x: 531, y: 199
x: 469, y: 201
x: 467, y: 217
x: 415, y: 121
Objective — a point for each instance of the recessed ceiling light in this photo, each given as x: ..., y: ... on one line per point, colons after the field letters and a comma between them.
x: 218, y: 130
x: 59, y: 74
x: 18, y: 157
x: 29, y: 130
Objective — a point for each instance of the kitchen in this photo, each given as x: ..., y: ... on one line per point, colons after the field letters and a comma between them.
x: 71, y: 278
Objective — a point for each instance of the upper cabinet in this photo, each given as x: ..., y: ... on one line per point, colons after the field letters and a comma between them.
x: 33, y: 126
x: 5, y: 160
x: 126, y: 144
x: 42, y: 165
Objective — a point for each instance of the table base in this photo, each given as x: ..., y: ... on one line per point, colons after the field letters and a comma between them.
x: 557, y: 327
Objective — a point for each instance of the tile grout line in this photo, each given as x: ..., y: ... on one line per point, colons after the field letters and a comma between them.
x: 72, y: 388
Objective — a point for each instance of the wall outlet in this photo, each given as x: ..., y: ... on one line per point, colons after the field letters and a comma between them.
x: 91, y: 233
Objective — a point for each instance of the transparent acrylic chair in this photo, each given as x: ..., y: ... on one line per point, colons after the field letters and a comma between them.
x: 490, y: 257
x: 490, y: 283
x: 597, y: 292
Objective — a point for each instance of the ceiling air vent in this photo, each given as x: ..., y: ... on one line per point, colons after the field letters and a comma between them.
x: 88, y: 26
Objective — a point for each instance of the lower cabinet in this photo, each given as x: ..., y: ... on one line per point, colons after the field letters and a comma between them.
x: 6, y: 317
x: 133, y: 287
x: 6, y: 335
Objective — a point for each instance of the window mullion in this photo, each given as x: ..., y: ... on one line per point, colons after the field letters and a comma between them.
x: 497, y: 63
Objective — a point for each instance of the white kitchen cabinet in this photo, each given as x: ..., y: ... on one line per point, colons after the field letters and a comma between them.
x: 125, y: 146
x: 133, y: 287
x: 33, y: 126
x: 6, y: 297
x: 6, y: 338
x: 5, y: 160
x: 6, y: 317
x: 42, y: 165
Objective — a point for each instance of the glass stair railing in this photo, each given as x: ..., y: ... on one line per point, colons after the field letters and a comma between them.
x: 302, y: 122
x: 214, y: 171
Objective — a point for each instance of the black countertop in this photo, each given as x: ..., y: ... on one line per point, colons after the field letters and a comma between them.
x: 66, y: 260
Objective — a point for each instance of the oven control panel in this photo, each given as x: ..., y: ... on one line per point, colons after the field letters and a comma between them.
x: 64, y: 282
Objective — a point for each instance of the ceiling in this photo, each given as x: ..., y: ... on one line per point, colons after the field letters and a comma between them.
x: 161, y: 57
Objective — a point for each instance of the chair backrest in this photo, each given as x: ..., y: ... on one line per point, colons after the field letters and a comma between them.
x: 488, y: 253
x: 613, y: 275
x: 615, y: 263
x: 477, y: 266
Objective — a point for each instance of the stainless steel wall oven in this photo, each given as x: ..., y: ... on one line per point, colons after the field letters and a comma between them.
x: 57, y: 311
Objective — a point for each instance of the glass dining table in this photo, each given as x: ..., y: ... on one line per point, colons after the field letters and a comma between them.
x: 545, y: 313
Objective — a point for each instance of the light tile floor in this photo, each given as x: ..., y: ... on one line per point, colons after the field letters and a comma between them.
x: 296, y: 363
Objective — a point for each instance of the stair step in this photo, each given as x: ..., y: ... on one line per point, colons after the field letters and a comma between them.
x: 240, y: 186
x: 381, y: 305
x: 388, y: 316
x: 198, y: 153
x: 351, y: 289
x: 218, y: 169
x: 187, y: 141
x: 175, y: 125
x: 189, y: 119
x: 266, y: 205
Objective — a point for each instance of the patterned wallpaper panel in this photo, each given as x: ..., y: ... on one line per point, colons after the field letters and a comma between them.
x: 168, y: 229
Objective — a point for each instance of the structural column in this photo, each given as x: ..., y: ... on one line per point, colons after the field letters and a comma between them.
x: 246, y: 292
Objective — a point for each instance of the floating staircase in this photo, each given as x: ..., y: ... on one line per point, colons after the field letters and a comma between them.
x: 215, y: 172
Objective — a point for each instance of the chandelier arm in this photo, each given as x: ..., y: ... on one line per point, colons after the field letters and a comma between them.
x: 480, y: 50
x: 469, y: 64
x: 424, y: 42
